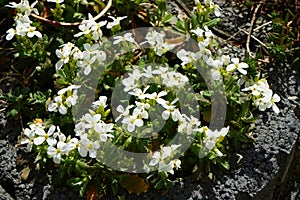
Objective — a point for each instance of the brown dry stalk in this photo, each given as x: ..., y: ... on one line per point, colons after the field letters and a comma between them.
x: 250, y: 29
x: 56, y: 23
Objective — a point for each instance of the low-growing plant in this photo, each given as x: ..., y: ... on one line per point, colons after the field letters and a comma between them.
x: 137, y: 94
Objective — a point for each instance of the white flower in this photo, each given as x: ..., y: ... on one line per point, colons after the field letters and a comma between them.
x: 174, y: 79
x: 254, y: 90
x: 30, y: 134
x: 237, y: 65
x: 96, y: 30
x: 148, y: 72
x: 212, y: 137
x: 216, y: 66
x: 11, y: 33
x: 58, y: 134
x: 57, y: 104
x: 115, y: 22
x: 86, y: 26
x: 88, y: 146
x: 261, y: 103
x: 269, y: 101
x: 61, y: 149
x: 141, y: 94
x: 123, y: 112
x: 101, y: 56
x: 188, y: 125
x: 127, y: 37
x: 68, y: 89
x: 129, y: 82
x: 64, y: 57
x: 92, y: 49
x: 32, y: 32
x: 225, y: 59
x: 43, y: 136
x: 132, y: 122
x: 274, y: 100
x: 186, y: 56
x: 92, y: 121
x: 72, y: 99
x: 104, y: 131
x: 160, y: 159
x: 86, y: 62
x: 56, y: 1
x: 199, y: 32
x: 152, y: 37
x: 100, y: 103
x: 185, y: 127
x: 157, y: 97
x: 217, y: 10
x: 73, y: 143
x: 141, y: 110
x: 171, y: 110
x: 24, y: 7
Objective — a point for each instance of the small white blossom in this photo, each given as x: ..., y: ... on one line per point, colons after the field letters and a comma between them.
x: 100, y: 103
x: 127, y: 37
x: 61, y: 149
x: 43, y: 136
x: 86, y: 63
x: 115, y: 22
x: 186, y: 56
x: 237, y: 65
x: 57, y: 104
x: 88, y: 147
x: 30, y: 135
x: 56, y: 1
x: 132, y: 121
x: 212, y: 137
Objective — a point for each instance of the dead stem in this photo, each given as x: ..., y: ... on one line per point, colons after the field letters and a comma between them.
x: 250, y: 29
x: 56, y: 23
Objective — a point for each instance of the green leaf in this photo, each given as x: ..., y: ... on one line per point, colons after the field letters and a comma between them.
x: 212, y: 22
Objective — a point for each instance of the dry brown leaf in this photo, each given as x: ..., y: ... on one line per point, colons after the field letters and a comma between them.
x: 92, y: 193
x: 25, y: 173
x: 4, y: 60
x: 206, y: 116
x: 134, y: 184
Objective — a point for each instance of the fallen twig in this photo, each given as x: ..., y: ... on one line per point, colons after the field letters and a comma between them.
x: 56, y: 23
x: 255, y: 38
x: 263, y: 25
x: 250, y: 29
x: 232, y: 36
x: 183, y: 7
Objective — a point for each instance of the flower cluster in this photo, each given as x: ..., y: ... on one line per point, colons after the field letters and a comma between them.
x: 56, y: 143
x: 209, y: 6
x: 67, y: 97
x: 213, y: 137
x: 163, y: 159
x: 70, y: 54
x: 263, y: 96
x: 23, y: 23
x: 158, y: 43
x: 90, y: 130
x: 217, y: 65
x: 146, y: 100
x: 91, y: 29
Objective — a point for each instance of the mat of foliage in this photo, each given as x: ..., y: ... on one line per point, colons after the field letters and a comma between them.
x: 259, y: 169
x: 256, y: 175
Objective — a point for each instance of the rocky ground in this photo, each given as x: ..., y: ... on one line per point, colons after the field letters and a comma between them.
x: 270, y: 168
